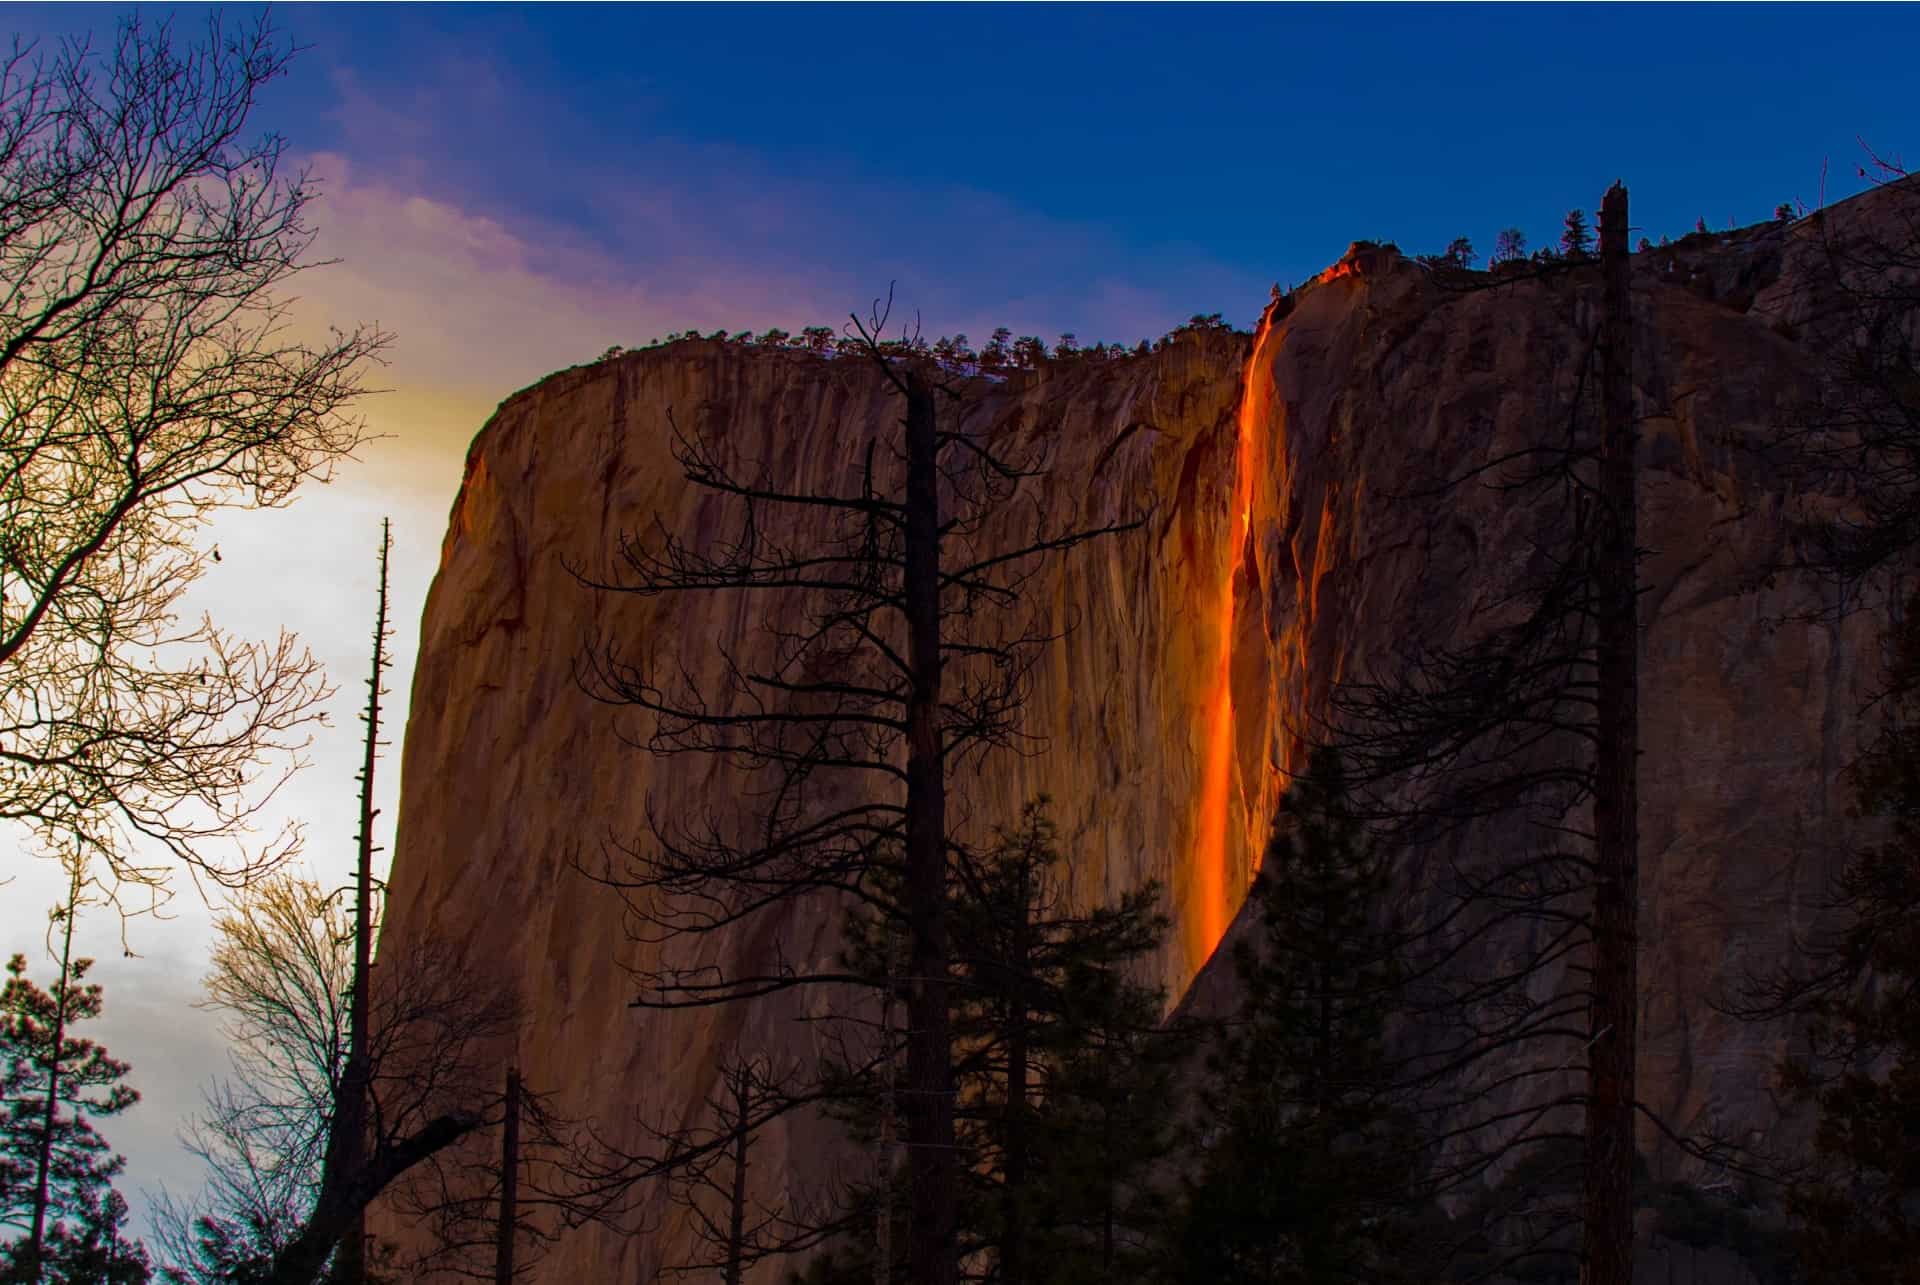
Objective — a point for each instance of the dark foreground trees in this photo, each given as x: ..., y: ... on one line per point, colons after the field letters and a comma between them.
x: 1312, y: 1168
x: 896, y: 653
x: 1509, y: 762
x: 712, y: 1177
x: 281, y: 974
x: 342, y: 1088
x: 1061, y: 1063
x: 1065, y: 1078
x: 56, y: 1171
x: 88, y: 1247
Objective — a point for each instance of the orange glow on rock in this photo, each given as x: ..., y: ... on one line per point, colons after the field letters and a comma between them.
x: 1211, y: 901
x: 1347, y: 267
x: 1361, y: 258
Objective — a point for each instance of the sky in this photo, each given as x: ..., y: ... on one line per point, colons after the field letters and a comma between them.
x: 511, y: 190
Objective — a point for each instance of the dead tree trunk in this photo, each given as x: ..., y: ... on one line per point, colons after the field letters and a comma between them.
x: 737, y: 1190
x: 929, y: 1113
x: 1607, y: 1257
x: 1013, y: 1250
x: 889, y: 1128
x: 350, y: 1261
x: 509, y: 1184
x: 862, y: 625
x: 49, y: 1116
x: 338, y: 1223
x: 344, y: 1197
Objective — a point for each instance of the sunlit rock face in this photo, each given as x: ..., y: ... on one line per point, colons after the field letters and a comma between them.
x: 1293, y: 537
x: 511, y: 772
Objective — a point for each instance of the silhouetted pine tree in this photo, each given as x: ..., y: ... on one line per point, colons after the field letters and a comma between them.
x: 89, y: 1247
x: 1310, y: 1171
x: 1576, y: 239
x: 1063, y: 1068
x: 54, y: 1168
x: 1106, y: 1128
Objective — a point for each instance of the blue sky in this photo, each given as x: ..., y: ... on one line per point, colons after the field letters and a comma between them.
x: 1193, y: 153
x: 1104, y: 169
x: 513, y: 189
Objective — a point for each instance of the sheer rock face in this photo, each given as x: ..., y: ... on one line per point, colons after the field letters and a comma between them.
x: 514, y: 775
x: 1376, y: 386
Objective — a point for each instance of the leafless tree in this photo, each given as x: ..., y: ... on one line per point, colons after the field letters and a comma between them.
x: 1526, y: 738
x: 883, y: 657
x: 342, y: 1086
x: 149, y: 379
x: 496, y: 1201
x: 347, y: 1143
x: 733, y: 1228
x: 351, y: 1085
x: 1613, y: 965
x: 282, y: 975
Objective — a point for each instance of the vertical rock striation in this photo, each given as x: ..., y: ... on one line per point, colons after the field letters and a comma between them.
x: 1295, y: 538
x: 513, y: 775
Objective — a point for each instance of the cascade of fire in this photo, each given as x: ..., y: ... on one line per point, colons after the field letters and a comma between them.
x: 1212, y: 900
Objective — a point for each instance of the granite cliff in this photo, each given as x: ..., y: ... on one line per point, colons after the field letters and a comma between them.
x: 1294, y: 540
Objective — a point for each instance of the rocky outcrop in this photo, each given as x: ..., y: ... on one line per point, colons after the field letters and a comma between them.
x: 1342, y: 416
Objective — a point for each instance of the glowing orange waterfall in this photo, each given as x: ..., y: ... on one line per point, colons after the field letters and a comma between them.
x: 1211, y: 899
